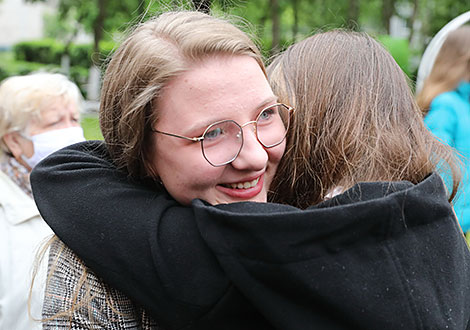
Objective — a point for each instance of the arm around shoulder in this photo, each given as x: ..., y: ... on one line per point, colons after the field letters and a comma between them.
x: 138, y: 239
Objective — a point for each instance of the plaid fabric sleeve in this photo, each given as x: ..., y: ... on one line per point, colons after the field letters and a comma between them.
x: 75, y: 298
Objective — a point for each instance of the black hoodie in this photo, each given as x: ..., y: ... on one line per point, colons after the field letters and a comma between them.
x: 379, y: 256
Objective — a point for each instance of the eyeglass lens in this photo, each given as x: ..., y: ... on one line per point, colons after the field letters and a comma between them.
x: 223, y: 141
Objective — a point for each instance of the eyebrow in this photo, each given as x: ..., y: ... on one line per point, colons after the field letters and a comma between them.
x: 204, y: 124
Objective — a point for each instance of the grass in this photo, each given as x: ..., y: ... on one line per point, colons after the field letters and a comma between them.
x: 91, y: 127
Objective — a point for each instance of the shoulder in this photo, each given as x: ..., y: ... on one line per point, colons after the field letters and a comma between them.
x: 448, y: 100
x: 75, y: 289
x: 19, y: 211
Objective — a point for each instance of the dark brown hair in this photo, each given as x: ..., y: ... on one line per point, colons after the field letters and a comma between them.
x: 356, y: 120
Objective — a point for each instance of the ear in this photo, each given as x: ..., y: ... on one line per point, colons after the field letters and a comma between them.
x: 13, y: 143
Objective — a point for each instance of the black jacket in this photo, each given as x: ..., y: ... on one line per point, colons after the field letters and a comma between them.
x: 379, y: 256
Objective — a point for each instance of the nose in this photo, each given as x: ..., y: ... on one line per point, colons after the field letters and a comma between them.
x: 252, y: 156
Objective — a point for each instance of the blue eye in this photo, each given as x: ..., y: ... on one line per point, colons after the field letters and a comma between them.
x: 267, y: 114
x: 214, y: 133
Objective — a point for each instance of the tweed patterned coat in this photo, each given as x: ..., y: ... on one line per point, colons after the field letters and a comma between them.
x: 108, y: 308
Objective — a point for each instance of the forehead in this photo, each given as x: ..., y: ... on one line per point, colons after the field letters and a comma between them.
x: 59, y: 103
x: 222, y: 87
x: 57, y: 106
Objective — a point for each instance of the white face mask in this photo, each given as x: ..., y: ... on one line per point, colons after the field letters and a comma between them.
x: 48, y: 142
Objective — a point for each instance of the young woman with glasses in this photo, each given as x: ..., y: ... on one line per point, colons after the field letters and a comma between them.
x: 186, y: 108
x: 379, y: 255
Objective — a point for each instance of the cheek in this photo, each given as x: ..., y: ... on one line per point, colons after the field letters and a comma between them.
x: 275, y: 154
x: 187, y: 184
x: 185, y: 173
x: 26, y: 148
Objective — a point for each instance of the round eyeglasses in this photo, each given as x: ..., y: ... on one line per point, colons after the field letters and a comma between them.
x: 222, y: 141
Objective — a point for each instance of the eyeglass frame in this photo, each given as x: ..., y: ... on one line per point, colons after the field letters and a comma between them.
x: 290, y: 111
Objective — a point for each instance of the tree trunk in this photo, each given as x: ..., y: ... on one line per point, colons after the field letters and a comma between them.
x: 412, y: 20
x: 276, y: 27
x: 353, y: 14
x: 202, y: 5
x: 295, y: 26
x: 98, y: 31
x: 388, y: 9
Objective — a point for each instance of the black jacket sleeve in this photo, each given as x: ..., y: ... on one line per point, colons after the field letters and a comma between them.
x: 138, y: 239
x: 379, y: 256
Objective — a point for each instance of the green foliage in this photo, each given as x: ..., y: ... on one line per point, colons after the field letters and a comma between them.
x: 47, y: 51
x: 298, y: 19
x: 3, y: 73
x: 437, y: 13
x: 59, y: 29
x: 46, y: 55
x: 399, y: 49
x: 11, y: 67
x: 80, y: 55
x: 370, y: 18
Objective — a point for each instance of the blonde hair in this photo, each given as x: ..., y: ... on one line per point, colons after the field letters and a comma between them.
x: 356, y: 119
x: 154, y: 53
x: 452, y: 65
x: 23, y: 98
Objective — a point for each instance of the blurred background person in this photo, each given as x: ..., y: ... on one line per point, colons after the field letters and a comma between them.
x: 39, y: 114
x: 445, y: 102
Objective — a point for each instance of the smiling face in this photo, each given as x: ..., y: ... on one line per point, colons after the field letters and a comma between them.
x: 219, y: 88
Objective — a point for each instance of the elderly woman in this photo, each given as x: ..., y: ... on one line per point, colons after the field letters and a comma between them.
x: 39, y: 114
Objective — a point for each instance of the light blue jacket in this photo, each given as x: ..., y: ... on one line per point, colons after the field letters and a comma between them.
x: 449, y: 120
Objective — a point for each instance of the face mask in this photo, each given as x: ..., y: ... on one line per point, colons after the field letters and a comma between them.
x: 48, y: 142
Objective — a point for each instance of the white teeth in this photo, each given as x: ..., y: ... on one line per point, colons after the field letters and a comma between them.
x: 244, y: 185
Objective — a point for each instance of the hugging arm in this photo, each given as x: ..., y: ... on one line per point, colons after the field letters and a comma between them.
x: 137, y: 239
x: 182, y: 263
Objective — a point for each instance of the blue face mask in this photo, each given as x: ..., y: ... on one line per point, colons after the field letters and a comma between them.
x: 48, y: 142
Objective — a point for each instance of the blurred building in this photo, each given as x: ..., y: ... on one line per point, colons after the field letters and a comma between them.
x: 20, y: 20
